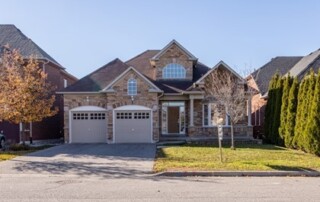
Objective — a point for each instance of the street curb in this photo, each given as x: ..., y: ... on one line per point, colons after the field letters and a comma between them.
x: 239, y: 174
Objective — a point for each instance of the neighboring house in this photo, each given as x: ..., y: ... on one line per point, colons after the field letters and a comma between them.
x: 152, y: 97
x: 49, y: 128
x: 260, y: 78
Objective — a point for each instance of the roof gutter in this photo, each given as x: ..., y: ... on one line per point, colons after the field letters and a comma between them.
x: 76, y: 93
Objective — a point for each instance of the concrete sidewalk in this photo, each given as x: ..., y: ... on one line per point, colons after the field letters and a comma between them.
x: 240, y: 174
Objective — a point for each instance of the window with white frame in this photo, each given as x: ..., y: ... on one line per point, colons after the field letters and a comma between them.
x: 174, y: 71
x: 132, y: 87
x: 211, y: 113
x: 65, y: 83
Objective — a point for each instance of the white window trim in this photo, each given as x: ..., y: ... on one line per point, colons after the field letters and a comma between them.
x: 65, y: 83
x: 136, y: 86
x: 226, y: 124
x: 176, y: 66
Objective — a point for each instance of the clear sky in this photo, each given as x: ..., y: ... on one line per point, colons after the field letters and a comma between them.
x: 83, y: 35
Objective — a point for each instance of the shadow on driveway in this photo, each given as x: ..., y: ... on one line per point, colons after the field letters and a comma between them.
x: 101, y: 160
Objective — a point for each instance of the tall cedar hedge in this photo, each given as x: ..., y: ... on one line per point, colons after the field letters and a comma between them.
x: 270, y: 108
x: 292, y: 116
x: 287, y: 81
x: 312, y: 129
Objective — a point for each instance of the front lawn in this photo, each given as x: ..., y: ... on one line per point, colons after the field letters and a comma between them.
x: 244, y: 158
x: 19, y: 151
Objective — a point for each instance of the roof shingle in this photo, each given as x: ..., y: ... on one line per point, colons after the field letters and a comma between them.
x: 98, y: 79
x: 263, y: 75
x: 12, y: 36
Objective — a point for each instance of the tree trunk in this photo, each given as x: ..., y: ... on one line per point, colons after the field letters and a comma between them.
x: 23, y: 133
x: 232, y: 137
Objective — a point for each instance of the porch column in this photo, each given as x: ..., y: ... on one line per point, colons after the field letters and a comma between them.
x: 249, y: 111
x: 191, y: 112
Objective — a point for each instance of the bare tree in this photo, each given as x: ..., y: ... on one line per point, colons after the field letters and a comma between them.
x: 228, y: 90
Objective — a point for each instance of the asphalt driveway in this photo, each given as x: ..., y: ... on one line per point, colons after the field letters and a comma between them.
x: 103, y: 160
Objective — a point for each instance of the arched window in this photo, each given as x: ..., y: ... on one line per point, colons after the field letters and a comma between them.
x: 174, y: 71
x: 132, y: 87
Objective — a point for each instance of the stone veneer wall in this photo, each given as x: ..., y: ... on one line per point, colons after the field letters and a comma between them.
x: 174, y: 55
x: 113, y: 100
x: 240, y: 130
x: 144, y: 98
x: 73, y: 101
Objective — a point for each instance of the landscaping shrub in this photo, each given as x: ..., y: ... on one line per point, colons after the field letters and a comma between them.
x: 19, y: 147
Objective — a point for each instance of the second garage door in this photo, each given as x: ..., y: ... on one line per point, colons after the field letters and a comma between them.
x: 133, y: 126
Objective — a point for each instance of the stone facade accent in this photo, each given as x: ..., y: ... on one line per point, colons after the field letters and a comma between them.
x: 144, y: 98
x: 110, y: 101
x: 174, y: 55
x: 240, y: 131
x: 72, y: 101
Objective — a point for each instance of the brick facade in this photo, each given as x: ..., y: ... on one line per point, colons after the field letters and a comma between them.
x: 174, y: 55
x: 111, y: 101
x: 117, y: 95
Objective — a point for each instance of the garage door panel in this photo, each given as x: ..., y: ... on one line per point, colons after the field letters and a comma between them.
x: 88, y: 127
x: 133, y: 127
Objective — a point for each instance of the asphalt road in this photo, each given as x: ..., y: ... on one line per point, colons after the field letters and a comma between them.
x: 36, y: 187
x: 100, y: 172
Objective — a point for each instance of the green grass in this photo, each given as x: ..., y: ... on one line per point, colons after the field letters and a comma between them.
x: 9, y: 154
x: 244, y: 158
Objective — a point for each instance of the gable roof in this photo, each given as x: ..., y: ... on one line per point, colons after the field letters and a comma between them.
x: 158, y: 55
x: 98, y: 79
x: 124, y: 73
x: 104, y: 76
x: 12, y: 36
x: 221, y: 63
x: 142, y: 63
x: 303, y: 65
x: 263, y: 75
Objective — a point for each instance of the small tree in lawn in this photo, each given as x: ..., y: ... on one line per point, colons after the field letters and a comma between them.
x: 227, y: 90
x: 25, y: 94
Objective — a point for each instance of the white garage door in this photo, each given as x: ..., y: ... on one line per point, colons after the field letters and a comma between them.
x: 88, y: 127
x: 133, y: 126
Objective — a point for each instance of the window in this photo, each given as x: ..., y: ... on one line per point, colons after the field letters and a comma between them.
x: 80, y: 116
x: 141, y: 115
x: 87, y: 116
x: 97, y: 116
x: 174, y: 71
x: 65, y: 83
x: 212, y: 113
x: 124, y: 115
x: 132, y: 87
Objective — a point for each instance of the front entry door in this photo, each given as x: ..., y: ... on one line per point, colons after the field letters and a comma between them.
x: 173, y: 119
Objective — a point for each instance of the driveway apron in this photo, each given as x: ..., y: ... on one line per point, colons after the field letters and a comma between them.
x: 104, y: 160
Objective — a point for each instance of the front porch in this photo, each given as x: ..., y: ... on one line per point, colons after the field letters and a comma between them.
x: 191, y: 119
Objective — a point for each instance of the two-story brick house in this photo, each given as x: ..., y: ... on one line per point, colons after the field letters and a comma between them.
x: 49, y: 128
x: 156, y: 95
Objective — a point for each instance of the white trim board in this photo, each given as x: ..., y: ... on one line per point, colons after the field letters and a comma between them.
x: 106, y: 89
x: 215, y: 67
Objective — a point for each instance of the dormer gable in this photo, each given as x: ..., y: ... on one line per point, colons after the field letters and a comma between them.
x: 173, y: 62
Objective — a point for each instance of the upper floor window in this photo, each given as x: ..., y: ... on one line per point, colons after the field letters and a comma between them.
x: 174, y: 71
x: 65, y: 83
x: 132, y: 87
